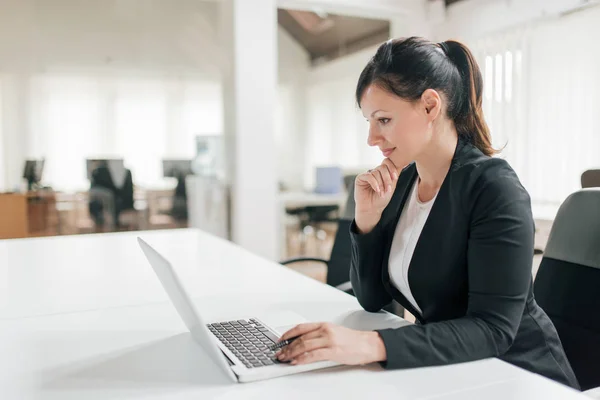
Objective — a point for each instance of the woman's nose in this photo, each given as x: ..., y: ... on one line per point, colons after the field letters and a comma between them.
x: 374, y: 137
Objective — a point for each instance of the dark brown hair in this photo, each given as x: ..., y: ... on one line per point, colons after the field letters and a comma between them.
x: 408, y: 67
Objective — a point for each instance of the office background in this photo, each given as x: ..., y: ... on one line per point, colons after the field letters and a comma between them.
x: 140, y: 80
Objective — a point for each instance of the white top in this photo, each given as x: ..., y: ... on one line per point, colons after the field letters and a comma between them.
x: 407, y: 234
x: 83, y: 317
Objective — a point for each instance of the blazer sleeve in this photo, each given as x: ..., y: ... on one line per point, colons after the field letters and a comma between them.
x: 499, y: 258
x: 365, y: 268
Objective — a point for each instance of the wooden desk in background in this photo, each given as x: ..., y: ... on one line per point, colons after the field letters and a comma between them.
x: 28, y: 214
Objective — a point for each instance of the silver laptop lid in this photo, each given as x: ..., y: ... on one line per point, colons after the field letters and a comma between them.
x: 184, y: 306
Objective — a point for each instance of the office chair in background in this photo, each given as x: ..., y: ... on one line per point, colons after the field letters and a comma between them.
x: 338, y: 265
x: 111, y: 193
x: 567, y: 285
x: 590, y: 178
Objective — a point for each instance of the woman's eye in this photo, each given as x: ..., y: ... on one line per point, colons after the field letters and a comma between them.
x: 384, y: 121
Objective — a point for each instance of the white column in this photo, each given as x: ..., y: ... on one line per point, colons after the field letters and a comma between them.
x: 249, y: 93
x: 3, y: 176
x: 15, y: 130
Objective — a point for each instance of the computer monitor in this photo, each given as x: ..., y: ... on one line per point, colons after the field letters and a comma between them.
x: 116, y: 167
x: 329, y: 180
x: 33, y: 171
x: 176, y: 168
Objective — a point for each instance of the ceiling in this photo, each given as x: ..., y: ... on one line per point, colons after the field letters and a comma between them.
x: 329, y: 36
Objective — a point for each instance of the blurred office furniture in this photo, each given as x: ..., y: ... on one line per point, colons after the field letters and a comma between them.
x: 348, y: 211
x: 33, y: 172
x: 209, y: 158
x: 111, y: 193
x: 338, y: 265
x: 590, y: 178
x: 295, y: 208
x: 567, y: 282
x: 329, y: 181
x: 313, y: 210
x: 13, y: 218
x: 159, y: 204
x: 29, y: 214
x: 349, y: 181
x: 208, y: 205
x: 179, y: 169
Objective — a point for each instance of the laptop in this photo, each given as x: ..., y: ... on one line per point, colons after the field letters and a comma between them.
x: 240, y: 347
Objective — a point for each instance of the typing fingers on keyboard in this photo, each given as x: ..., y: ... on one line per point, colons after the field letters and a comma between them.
x: 301, y: 346
x: 312, y: 356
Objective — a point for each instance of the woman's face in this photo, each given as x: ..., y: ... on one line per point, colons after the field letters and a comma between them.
x: 401, y: 129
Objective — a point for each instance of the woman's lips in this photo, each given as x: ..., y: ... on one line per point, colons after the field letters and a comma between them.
x: 386, y: 152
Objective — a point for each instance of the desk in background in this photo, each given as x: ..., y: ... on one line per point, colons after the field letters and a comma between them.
x: 296, y: 200
x: 28, y: 214
x: 86, y: 318
x: 304, y: 199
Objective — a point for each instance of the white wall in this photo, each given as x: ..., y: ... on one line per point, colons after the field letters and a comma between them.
x: 114, y: 40
x: 471, y: 19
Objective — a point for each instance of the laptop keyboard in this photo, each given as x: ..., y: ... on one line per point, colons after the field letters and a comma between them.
x: 248, y: 340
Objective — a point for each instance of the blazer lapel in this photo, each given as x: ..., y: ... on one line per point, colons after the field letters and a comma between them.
x: 397, y: 205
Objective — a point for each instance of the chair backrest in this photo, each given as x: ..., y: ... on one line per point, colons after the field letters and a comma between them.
x: 350, y: 204
x: 338, y: 270
x: 567, y: 285
x: 590, y: 178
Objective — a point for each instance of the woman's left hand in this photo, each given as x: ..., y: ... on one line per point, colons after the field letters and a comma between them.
x: 325, y: 341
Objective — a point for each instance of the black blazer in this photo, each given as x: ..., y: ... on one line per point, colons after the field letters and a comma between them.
x: 470, y: 274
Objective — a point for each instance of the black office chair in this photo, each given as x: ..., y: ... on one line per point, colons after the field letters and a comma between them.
x: 338, y: 265
x: 567, y: 285
x: 590, y: 178
x: 106, y: 196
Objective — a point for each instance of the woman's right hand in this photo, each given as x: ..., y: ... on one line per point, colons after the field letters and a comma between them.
x: 373, y: 191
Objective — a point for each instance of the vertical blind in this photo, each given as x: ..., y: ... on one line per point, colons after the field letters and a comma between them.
x: 542, y: 92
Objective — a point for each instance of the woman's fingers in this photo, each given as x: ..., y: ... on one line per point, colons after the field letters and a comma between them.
x: 299, y: 330
x: 307, y: 336
x: 321, y: 354
x: 369, y: 177
x: 313, y: 356
x: 301, y: 346
x: 386, y: 177
x: 394, y: 171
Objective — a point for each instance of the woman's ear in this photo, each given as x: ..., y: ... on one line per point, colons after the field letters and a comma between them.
x: 431, y: 103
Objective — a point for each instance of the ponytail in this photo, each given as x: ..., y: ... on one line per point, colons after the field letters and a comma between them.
x: 468, y: 113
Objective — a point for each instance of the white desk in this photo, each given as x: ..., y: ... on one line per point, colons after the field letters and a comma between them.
x: 85, y: 318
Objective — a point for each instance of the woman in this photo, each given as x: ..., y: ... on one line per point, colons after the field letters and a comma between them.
x: 440, y: 226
